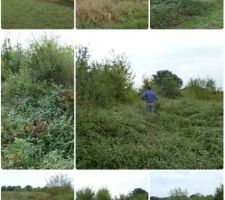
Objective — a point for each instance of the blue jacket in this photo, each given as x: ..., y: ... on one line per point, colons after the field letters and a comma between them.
x: 149, y: 96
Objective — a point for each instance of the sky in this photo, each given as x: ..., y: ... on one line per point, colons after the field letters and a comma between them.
x: 35, y: 178
x: 194, y: 181
x: 192, y: 54
x: 118, y: 182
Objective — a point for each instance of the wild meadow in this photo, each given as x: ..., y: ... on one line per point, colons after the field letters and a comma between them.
x: 37, y: 105
x: 37, y: 14
x: 186, y: 14
x: 58, y: 187
x: 114, y: 131
x: 111, y: 14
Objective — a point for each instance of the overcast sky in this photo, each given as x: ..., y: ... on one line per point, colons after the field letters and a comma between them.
x: 189, y: 54
x: 118, y: 182
x: 35, y: 178
x: 195, y: 181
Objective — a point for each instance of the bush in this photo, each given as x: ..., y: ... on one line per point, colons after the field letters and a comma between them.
x: 51, y: 62
x: 103, y: 83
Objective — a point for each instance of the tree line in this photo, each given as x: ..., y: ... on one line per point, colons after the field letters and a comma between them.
x: 111, y: 81
x: 104, y: 194
x: 59, y: 182
x: 179, y: 194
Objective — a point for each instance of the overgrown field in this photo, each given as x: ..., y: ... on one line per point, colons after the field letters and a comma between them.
x: 37, y: 106
x: 187, y: 14
x: 184, y: 133
x: 114, y: 131
x: 33, y: 195
x: 24, y: 195
x: 125, y: 14
x: 37, y: 14
x: 59, y: 187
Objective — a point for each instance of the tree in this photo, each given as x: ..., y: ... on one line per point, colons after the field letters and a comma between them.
x: 138, y: 194
x: 200, y: 83
x: 103, y: 83
x: 178, y: 194
x: 169, y: 83
x: 28, y: 188
x: 219, y: 193
x: 3, y: 188
x: 60, y: 180
x: 85, y: 194
x: 103, y: 194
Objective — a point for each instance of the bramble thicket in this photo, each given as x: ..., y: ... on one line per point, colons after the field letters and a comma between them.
x: 113, y: 130
x: 37, y: 105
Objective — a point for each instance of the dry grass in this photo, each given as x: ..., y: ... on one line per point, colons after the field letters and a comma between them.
x: 103, y: 13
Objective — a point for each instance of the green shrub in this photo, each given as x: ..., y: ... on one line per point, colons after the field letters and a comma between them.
x: 51, y: 62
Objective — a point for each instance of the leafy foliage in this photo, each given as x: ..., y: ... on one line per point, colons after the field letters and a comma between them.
x: 185, y: 132
x: 37, y: 109
x: 104, y: 194
x: 219, y: 193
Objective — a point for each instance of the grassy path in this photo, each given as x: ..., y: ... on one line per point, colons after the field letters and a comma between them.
x: 35, y: 14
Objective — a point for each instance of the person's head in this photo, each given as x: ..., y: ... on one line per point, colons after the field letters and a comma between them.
x: 149, y: 88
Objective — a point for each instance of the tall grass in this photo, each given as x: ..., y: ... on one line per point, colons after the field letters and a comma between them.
x: 112, y: 14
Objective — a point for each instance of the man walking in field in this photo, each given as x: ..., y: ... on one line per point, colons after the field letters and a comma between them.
x: 150, y: 97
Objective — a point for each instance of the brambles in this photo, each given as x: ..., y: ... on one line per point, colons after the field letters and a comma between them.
x: 185, y: 132
x: 37, y: 115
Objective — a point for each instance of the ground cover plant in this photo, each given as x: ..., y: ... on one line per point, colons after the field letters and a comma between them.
x: 37, y: 105
x: 37, y: 14
x: 60, y: 188
x: 104, y: 193
x: 114, y: 131
x: 187, y: 14
x: 179, y: 194
x: 125, y: 14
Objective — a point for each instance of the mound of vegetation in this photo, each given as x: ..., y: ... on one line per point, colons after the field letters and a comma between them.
x: 167, y: 14
x: 59, y: 187
x: 103, y: 193
x: 37, y: 14
x: 124, y: 14
x: 37, y: 105
x: 114, y: 131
